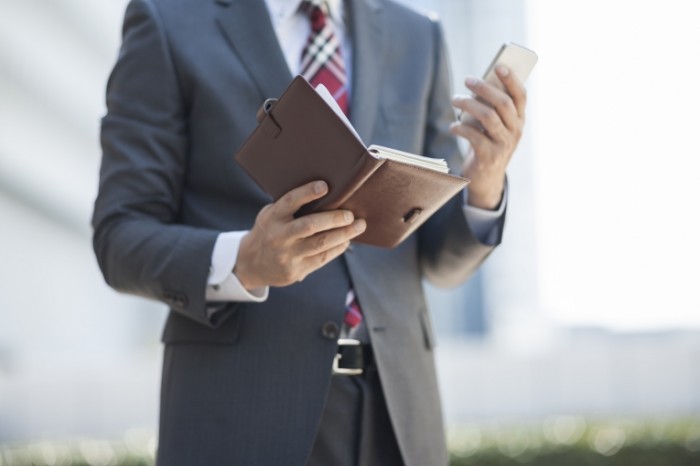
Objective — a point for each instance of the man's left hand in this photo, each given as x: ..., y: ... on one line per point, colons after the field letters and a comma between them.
x: 502, y: 117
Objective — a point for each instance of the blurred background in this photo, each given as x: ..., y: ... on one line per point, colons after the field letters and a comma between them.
x: 580, y: 336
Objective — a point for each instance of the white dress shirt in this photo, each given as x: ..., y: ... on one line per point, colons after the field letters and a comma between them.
x: 292, y: 29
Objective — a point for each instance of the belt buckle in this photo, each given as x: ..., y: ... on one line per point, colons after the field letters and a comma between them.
x: 341, y: 370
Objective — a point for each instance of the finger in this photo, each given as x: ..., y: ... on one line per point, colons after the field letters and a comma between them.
x: 330, y: 239
x: 312, y: 224
x: 496, y: 98
x: 477, y: 139
x: 459, y: 101
x: 319, y: 260
x: 487, y: 116
x: 294, y: 199
x: 514, y: 87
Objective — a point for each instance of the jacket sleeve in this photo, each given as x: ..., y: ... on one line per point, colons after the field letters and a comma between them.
x: 449, y: 251
x: 140, y: 247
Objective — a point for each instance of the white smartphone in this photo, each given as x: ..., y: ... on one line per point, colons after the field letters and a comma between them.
x: 517, y: 58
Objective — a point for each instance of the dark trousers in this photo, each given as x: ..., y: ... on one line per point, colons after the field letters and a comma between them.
x: 355, y: 427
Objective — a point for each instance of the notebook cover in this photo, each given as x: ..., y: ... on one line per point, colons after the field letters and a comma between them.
x: 301, y: 139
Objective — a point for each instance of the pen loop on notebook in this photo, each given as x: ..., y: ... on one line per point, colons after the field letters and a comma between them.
x: 267, y: 121
x: 265, y: 109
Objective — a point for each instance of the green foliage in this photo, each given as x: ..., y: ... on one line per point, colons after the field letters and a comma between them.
x: 662, y: 455
x: 558, y: 441
x: 572, y: 441
x: 136, y: 448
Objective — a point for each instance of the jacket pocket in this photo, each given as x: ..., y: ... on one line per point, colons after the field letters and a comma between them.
x: 180, y: 329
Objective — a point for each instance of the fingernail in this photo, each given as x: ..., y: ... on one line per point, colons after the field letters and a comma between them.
x: 360, y: 225
x: 348, y: 216
x: 502, y: 70
x: 470, y: 82
x: 319, y: 187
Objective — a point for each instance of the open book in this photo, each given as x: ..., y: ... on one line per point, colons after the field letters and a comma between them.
x: 301, y: 138
x: 381, y: 151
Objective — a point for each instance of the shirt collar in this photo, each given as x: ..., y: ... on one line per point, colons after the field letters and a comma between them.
x: 283, y: 10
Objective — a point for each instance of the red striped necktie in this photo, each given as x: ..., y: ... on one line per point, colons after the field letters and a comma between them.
x: 353, y: 314
x: 322, y: 63
x: 321, y: 59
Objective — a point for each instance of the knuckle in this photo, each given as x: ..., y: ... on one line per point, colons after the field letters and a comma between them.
x: 299, y: 227
x: 320, y: 242
x: 292, y: 199
x: 280, y: 259
x: 308, y: 225
x: 265, y: 213
x: 504, y: 103
x: 288, y: 201
x: 490, y: 116
x: 518, y: 133
x: 323, y: 258
x: 288, y: 275
x: 478, y: 144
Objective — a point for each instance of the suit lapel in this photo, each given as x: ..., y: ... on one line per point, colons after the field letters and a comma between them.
x: 248, y: 29
x: 368, y: 49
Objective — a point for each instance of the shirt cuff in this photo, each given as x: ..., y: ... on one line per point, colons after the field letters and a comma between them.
x: 222, y: 284
x: 482, y: 221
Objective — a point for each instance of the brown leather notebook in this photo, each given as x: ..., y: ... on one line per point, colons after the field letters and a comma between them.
x: 300, y: 138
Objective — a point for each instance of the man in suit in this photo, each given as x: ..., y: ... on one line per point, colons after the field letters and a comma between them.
x: 258, y: 297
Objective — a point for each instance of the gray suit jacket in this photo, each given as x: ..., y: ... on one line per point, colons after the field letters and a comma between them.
x: 247, y: 387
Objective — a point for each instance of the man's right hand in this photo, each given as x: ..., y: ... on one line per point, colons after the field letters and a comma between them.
x: 280, y: 250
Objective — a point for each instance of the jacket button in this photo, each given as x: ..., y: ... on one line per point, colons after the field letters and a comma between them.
x: 330, y: 330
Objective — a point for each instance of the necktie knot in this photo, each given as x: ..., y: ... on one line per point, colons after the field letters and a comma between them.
x: 317, y: 11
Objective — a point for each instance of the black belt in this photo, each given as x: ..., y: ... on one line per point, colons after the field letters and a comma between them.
x: 352, y: 358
